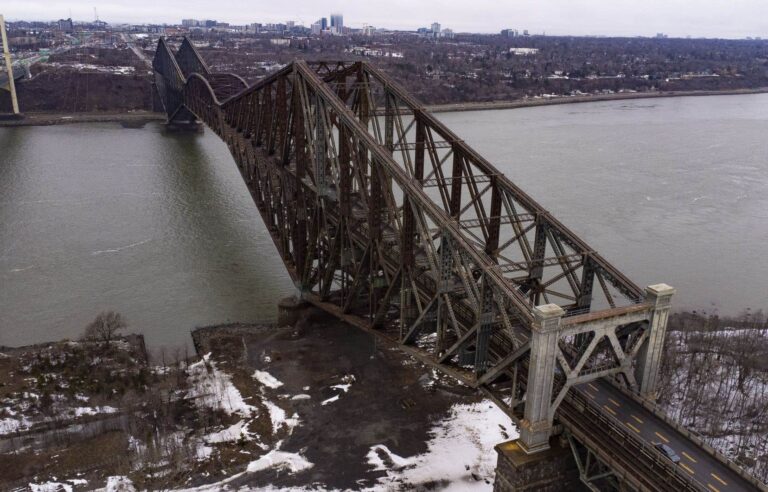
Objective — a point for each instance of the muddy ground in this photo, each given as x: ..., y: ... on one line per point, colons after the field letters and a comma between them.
x: 393, y: 400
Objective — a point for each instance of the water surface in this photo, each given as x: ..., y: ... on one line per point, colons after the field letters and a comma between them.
x: 162, y: 229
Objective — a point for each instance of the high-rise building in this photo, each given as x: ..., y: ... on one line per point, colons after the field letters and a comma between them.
x: 337, y: 22
x: 436, y: 28
x: 317, y: 28
x: 324, y: 23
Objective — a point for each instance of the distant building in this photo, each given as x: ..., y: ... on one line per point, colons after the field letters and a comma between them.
x: 509, y: 33
x: 368, y: 30
x: 337, y: 23
x: 324, y: 23
x: 209, y: 23
x: 190, y: 22
x: 436, y: 28
x: 66, y: 25
x: 661, y: 35
x: 447, y: 33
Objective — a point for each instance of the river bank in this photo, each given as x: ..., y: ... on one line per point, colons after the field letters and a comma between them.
x: 259, y: 407
x: 557, y: 100
x: 130, y: 119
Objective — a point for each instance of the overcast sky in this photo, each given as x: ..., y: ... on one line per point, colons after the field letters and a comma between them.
x: 708, y: 18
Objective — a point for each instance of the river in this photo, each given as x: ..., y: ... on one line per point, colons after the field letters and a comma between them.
x: 161, y: 228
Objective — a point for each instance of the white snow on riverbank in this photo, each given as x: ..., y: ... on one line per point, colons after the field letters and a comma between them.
x: 267, y: 379
x: 213, y: 388
x: 460, y: 452
x: 280, y: 460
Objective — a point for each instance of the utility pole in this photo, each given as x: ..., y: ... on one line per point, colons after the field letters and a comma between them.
x: 9, y: 66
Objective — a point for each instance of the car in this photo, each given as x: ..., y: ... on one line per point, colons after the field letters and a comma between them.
x: 668, y: 452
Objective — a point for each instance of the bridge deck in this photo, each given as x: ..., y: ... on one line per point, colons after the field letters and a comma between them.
x: 710, y: 472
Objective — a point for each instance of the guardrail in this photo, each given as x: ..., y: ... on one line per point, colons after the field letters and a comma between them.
x: 654, y: 408
x: 656, y: 459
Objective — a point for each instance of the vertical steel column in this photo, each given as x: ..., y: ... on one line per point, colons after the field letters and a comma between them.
x: 456, y: 174
x: 485, y: 330
x: 389, y: 123
x: 539, y: 250
x: 494, y: 223
x: 649, y: 357
x: 320, y: 147
x: 536, y: 426
x: 444, y: 287
x: 300, y: 144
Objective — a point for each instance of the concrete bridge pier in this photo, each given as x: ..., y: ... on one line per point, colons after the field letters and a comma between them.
x: 289, y: 310
x: 552, y: 470
x: 184, y: 126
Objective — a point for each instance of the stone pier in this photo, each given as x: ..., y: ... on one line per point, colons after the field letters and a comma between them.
x: 552, y: 470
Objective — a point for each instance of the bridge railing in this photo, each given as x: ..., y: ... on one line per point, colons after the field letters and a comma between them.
x: 693, y: 436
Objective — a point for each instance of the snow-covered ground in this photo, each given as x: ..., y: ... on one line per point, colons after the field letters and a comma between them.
x: 460, y: 456
x: 460, y: 453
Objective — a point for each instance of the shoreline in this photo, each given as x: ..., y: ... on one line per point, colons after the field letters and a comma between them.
x: 133, y: 119
x: 558, y: 100
x: 139, y: 118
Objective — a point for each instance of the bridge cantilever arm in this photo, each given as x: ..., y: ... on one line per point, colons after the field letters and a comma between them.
x: 618, y: 279
x: 415, y: 193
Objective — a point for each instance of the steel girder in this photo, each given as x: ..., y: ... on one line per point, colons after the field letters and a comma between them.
x: 387, y: 219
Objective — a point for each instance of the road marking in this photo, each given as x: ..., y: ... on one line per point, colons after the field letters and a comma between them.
x: 689, y: 456
x: 687, y: 468
x: 592, y: 386
x: 662, y: 437
x: 636, y: 418
x: 614, y: 402
x: 719, y: 479
x: 610, y: 410
x: 633, y: 427
x: 713, y: 488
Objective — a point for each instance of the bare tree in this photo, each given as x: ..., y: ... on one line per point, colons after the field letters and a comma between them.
x: 105, y: 326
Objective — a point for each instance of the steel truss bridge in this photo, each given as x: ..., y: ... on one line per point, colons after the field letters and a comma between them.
x: 387, y: 219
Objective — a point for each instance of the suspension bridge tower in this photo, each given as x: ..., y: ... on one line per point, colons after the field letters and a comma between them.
x: 9, y: 84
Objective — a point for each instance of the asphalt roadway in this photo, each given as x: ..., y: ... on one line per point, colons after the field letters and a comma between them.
x: 712, y: 474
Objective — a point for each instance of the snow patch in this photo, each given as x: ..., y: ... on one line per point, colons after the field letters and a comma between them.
x: 330, y: 400
x: 280, y: 460
x: 119, y: 484
x: 267, y: 379
x: 50, y: 487
x: 81, y: 411
x: 375, y: 459
x: 232, y: 433
x: 278, y: 417
x: 459, y: 452
x: 213, y: 388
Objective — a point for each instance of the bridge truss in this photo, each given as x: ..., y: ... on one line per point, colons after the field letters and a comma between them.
x: 387, y: 219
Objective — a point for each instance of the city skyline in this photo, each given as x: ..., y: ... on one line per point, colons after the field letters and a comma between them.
x: 678, y: 18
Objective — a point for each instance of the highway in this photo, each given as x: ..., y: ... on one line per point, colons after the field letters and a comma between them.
x: 710, y: 473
